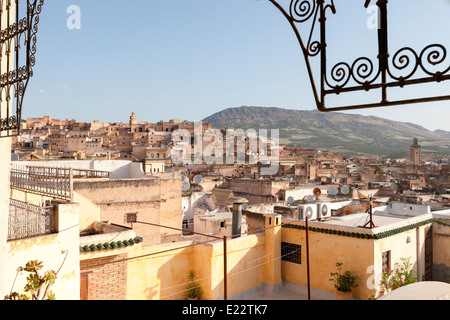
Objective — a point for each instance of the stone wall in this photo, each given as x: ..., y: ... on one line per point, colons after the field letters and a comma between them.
x: 156, y: 200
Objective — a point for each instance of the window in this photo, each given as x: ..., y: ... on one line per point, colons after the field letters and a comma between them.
x: 291, y: 252
x: 386, y: 259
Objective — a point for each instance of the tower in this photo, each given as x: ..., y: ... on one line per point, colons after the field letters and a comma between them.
x: 415, y: 150
x: 133, y: 119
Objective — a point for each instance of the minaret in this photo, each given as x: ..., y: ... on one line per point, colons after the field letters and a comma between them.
x: 416, y: 158
x: 133, y: 119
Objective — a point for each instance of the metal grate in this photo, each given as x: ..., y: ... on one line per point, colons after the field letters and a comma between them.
x: 399, y: 69
x: 291, y: 252
x: 18, y: 37
x: 26, y: 220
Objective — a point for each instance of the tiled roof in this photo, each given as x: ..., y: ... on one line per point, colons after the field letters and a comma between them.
x: 110, y: 245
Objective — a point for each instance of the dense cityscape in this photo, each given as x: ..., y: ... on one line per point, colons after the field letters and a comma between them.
x: 249, y: 205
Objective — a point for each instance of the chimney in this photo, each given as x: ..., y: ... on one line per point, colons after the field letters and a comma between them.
x: 237, y: 216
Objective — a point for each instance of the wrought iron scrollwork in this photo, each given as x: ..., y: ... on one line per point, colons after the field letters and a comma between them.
x: 18, y: 56
x: 406, y: 67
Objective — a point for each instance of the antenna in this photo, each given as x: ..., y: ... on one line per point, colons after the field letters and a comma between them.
x: 370, y: 224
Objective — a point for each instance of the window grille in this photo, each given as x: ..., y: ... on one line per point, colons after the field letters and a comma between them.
x: 291, y: 252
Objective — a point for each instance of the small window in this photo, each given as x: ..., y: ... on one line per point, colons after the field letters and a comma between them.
x: 222, y: 224
x: 291, y: 252
x: 386, y: 259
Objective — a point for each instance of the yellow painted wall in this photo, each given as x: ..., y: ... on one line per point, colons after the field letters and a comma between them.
x: 163, y: 276
x: 363, y: 257
x: 245, y: 265
x: 48, y: 249
x: 5, y: 157
x: 325, y: 250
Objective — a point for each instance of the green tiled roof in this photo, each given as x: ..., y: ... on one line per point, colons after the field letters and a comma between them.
x: 110, y: 245
x: 359, y: 235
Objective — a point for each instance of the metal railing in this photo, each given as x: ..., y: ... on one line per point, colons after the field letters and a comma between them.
x: 26, y: 220
x: 50, y: 181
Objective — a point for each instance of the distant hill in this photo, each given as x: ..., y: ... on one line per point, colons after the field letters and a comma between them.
x: 334, y: 131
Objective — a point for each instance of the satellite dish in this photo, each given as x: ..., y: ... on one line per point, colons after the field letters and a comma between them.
x: 185, y: 186
x: 440, y: 199
x: 244, y: 206
x: 290, y: 200
x: 198, y: 179
x: 445, y: 200
x: 333, y: 191
x: 345, y: 190
x: 317, y: 192
x: 310, y: 198
x: 183, y: 178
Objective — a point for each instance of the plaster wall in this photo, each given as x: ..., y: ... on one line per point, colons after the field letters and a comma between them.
x: 441, y: 251
x: 51, y: 250
x: 5, y: 158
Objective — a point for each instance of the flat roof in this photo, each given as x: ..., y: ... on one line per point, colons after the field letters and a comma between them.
x: 387, y: 224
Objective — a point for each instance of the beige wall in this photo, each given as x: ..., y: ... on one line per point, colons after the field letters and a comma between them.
x: 48, y: 249
x: 156, y: 200
x: 325, y: 250
x: 5, y: 158
x: 363, y: 257
x: 162, y: 276
x: 5, y: 152
x: 441, y: 250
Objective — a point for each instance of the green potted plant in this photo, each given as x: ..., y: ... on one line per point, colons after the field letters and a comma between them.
x: 192, y: 288
x: 400, y: 276
x: 344, y: 282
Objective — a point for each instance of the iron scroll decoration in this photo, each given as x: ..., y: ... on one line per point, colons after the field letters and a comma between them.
x: 363, y: 74
x: 18, y: 56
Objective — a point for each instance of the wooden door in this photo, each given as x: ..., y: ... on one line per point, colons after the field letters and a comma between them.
x: 84, y: 285
x: 428, y: 276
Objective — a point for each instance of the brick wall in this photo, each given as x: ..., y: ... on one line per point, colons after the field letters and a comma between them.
x: 106, y: 279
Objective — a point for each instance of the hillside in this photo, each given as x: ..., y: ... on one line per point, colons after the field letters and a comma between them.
x: 335, y: 132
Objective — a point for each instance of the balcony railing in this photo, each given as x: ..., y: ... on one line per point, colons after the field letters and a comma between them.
x: 50, y: 181
x: 47, y: 181
x: 26, y: 220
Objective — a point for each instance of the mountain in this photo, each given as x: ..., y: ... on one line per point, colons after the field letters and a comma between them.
x: 335, y: 131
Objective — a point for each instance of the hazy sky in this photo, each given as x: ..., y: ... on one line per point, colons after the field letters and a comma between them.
x: 187, y: 59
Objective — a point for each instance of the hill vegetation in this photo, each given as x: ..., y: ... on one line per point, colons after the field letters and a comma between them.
x: 335, y: 132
